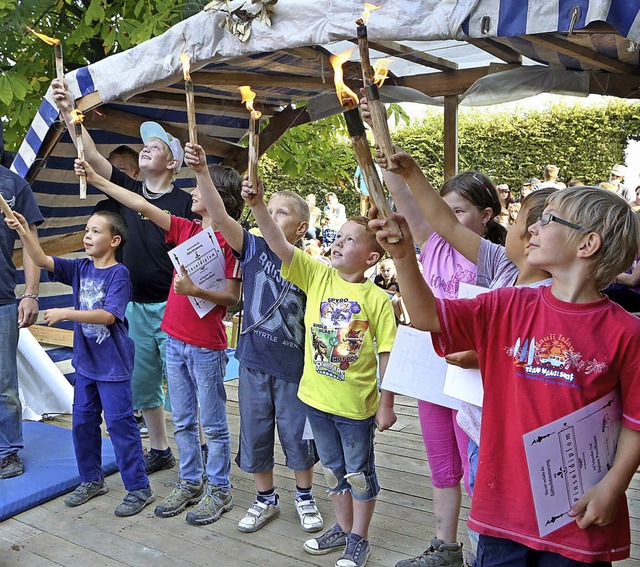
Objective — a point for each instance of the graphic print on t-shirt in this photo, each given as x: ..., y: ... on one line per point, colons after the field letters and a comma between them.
x: 337, y: 339
x: 450, y: 287
x: 92, y: 294
x: 552, y: 360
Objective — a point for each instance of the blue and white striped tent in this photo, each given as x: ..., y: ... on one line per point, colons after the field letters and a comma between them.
x: 485, y: 51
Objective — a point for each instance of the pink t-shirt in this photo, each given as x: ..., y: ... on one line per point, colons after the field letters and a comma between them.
x: 579, y: 368
x: 180, y: 318
x: 444, y: 268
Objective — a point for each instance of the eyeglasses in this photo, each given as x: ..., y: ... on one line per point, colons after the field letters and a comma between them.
x: 545, y: 219
x: 505, y: 190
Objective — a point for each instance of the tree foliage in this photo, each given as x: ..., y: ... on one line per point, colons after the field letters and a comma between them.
x: 89, y: 30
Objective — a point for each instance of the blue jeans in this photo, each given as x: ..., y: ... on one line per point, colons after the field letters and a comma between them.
x: 10, y: 408
x: 345, y: 447
x: 90, y: 397
x: 196, y: 374
x: 498, y: 552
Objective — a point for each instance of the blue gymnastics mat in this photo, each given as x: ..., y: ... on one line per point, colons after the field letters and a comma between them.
x: 49, y: 468
x: 233, y: 366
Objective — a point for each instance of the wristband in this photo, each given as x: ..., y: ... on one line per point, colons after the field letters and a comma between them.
x: 30, y: 296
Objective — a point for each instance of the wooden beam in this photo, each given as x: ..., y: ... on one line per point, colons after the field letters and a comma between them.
x: 621, y: 86
x: 497, y: 49
x: 259, y: 80
x: 55, y: 246
x: 52, y: 335
x: 114, y: 120
x: 583, y: 54
x: 410, y: 54
x: 450, y: 136
x: 450, y: 82
x: 272, y: 132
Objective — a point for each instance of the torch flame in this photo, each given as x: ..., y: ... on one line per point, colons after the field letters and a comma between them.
x: 186, y: 66
x: 45, y: 38
x: 76, y: 116
x: 247, y: 98
x: 368, y: 8
x: 381, y: 70
x: 348, y: 99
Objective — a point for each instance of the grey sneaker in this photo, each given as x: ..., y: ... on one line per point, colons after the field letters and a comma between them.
x: 355, y: 554
x: 154, y: 462
x: 211, y: 506
x: 334, y: 539
x: 440, y: 554
x: 180, y: 497
x: 134, y: 502
x: 85, y: 492
x: 258, y: 515
x: 11, y: 466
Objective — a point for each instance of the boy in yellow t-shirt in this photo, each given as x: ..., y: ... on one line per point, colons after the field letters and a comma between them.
x: 345, y: 313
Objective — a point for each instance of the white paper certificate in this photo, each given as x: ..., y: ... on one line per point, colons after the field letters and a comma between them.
x: 203, y: 258
x: 569, y: 456
x: 415, y: 370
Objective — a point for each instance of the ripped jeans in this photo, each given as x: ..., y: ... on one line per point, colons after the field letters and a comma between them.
x: 345, y: 447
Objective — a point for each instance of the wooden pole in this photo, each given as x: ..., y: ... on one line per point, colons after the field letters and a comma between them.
x: 450, y: 136
x: 6, y: 209
x: 191, y: 111
x: 365, y: 161
x: 77, y: 127
x: 57, y: 49
x: 379, y: 123
x: 254, y: 147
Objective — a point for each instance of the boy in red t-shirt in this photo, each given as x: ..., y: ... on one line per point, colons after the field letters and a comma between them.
x: 585, y: 237
x: 196, y: 354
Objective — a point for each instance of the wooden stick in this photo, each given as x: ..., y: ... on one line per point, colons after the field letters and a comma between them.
x: 379, y: 126
x: 365, y: 161
x: 77, y: 127
x: 191, y: 111
x: 254, y: 147
x: 9, y: 214
x: 57, y: 49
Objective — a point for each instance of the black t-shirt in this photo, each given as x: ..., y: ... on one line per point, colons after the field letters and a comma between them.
x: 145, y: 254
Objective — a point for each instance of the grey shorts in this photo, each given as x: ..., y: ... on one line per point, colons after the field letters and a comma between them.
x: 266, y: 401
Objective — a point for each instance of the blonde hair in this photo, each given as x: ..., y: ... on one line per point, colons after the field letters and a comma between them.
x: 607, y: 214
x: 388, y: 262
x: 298, y: 204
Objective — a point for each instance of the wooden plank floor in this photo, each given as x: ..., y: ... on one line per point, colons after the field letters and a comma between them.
x: 91, y: 535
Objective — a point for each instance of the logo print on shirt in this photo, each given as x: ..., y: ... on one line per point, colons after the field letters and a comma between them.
x: 450, y: 287
x: 552, y: 358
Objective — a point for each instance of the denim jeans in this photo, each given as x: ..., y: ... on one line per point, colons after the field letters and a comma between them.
x: 345, y: 447
x: 195, y: 375
x: 10, y: 408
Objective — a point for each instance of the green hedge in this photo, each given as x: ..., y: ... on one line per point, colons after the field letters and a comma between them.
x: 583, y: 141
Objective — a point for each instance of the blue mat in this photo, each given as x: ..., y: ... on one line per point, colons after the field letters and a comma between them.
x: 49, y: 468
x: 233, y: 366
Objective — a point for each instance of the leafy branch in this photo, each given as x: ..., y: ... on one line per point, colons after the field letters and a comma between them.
x: 238, y: 20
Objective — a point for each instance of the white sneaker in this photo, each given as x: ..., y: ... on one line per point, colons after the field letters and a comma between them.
x: 310, y: 517
x: 258, y: 515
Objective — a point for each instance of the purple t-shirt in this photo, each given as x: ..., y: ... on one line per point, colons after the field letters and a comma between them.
x: 100, y: 352
x: 444, y: 268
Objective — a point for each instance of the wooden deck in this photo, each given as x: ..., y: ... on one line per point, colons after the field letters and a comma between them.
x: 91, y: 535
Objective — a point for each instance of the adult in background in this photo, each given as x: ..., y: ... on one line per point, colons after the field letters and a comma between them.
x: 13, y: 316
x: 315, y: 217
x: 528, y: 186
x: 504, y: 192
x: 616, y: 178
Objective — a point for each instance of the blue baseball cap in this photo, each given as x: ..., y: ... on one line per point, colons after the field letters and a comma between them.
x: 154, y: 130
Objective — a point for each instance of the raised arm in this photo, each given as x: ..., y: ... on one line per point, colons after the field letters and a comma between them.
x: 418, y: 297
x: 128, y: 198
x: 233, y: 233
x: 632, y: 279
x: 427, y: 203
x: 30, y: 242
x: 254, y: 197
x: 65, y: 103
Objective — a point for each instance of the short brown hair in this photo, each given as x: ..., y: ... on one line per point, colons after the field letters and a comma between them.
x: 371, y: 235
x: 610, y: 216
x: 228, y: 182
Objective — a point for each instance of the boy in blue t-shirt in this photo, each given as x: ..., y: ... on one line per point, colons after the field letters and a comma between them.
x: 271, y: 356
x: 102, y: 357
